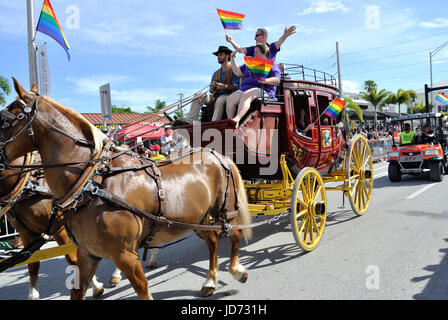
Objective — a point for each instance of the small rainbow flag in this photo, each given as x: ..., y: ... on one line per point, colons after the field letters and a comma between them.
x: 442, y: 98
x: 335, y: 108
x: 258, y: 67
x: 231, y: 20
x: 49, y: 24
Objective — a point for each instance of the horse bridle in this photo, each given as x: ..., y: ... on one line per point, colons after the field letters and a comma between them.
x: 9, y: 121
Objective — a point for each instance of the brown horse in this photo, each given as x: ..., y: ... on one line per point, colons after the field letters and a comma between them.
x: 193, y: 190
x: 30, y: 216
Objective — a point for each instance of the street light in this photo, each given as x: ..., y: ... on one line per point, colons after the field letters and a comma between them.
x: 432, y: 54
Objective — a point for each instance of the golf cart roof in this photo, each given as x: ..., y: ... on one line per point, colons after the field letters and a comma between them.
x: 416, y: 116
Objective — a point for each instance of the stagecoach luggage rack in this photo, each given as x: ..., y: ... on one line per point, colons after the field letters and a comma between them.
x: 299, y: 72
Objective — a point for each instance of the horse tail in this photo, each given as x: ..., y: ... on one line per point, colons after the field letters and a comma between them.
x: 244, y: 216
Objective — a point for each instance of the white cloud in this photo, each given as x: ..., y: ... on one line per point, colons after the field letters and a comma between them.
x: 90, y: 85
x: 136, y: 98
x: 350, y: 86
x: 436, y: 23
x: 318, y: 7
x: 203, y: 78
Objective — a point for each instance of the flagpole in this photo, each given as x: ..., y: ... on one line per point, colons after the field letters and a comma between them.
x: 32, y: 61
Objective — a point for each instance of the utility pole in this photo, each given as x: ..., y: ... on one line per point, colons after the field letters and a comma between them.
x: 339, y: 70
x: 32, y: 61
x: 181, y: 97
x: 432, y: 54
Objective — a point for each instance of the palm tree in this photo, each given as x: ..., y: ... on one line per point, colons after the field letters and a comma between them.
x: 158, y: 106
x: 369, y: 85
x: 5, y: 89
x: 401, y: 97
x: 412, y: 96
x: 377, y: 99
x: 354, y: 107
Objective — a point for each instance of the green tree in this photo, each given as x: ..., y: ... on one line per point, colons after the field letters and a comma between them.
x: 159, y: 105
x: 116, y: 109
x: 412, y: 97
x: 401, y: 97
x: 377, y: 99
x: 354, y: 107
x: 5, y: 89
x: 420, y: 108
x: 180, y: 114
x: 369, y: 85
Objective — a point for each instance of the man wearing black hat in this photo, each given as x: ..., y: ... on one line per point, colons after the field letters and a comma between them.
x: 223, y: 83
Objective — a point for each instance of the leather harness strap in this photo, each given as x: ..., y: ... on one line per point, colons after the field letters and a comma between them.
x: 10, y: 199
x: 87, y: 175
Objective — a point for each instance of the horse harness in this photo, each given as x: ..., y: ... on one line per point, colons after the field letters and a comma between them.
x: 89, y: 187
x: 23, y: 189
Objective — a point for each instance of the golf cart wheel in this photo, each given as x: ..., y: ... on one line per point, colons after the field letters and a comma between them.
x: 394, y: 172
x: 436, y: 171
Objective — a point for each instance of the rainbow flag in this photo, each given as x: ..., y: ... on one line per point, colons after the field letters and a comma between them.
x: 335, y: 108
x: 231, y: 20
x: 258, y: 67
x: 442, y: 98
x: 49, y: 24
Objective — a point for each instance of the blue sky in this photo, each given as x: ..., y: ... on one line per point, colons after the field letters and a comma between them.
x: 152, y: 50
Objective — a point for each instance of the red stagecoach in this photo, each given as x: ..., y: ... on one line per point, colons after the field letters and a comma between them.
x: 285, y: 168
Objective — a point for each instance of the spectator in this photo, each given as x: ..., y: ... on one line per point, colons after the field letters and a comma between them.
x: 155, y: 153
x: 167, y: 141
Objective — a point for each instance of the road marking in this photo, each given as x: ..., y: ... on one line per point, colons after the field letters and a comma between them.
x: 379, y: 175
x: 419, y: 192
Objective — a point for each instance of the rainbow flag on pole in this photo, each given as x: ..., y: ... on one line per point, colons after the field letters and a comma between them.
x: 335, y: 108
x: 49, y: 24
x: 258, y: 67
x: 231, y: 20
x: 442, y: 98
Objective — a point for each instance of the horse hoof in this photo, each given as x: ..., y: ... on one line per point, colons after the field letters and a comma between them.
x: 244, y: 278
x: 98, y: 292
x: 33, y: 297
x: 206, y: 291
x: 114, y: 281
x: 152, y: 265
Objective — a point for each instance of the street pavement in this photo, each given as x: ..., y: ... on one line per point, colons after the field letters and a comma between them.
x: 397, y: 250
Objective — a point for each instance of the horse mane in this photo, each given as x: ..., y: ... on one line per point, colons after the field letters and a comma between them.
x: 99, y: 138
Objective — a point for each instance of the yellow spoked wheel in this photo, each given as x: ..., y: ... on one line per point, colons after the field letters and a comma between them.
x: 359, y: 174
x: 308, y: 209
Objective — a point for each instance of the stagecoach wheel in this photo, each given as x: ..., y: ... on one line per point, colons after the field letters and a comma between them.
x: 308, y: 209
x: 359, y: 174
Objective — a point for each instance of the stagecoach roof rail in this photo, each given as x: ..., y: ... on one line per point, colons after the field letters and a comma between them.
x: 307, y: 74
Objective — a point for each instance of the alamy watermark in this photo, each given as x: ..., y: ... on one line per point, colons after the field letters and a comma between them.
x: 73, y: 19
x: 72, y: 281
x: 254, y: 147
x: 373, y: 278
x: 373, y: 16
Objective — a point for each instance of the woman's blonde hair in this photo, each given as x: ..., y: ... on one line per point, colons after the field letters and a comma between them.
x: 264, y: 49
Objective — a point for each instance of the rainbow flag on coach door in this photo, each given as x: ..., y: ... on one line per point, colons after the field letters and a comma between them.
x: 335, y: 108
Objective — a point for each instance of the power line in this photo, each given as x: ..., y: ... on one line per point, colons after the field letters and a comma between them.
x: 332, y: 56
x: 388, y: 68
x: 393, y: 44
x: 388, y: 57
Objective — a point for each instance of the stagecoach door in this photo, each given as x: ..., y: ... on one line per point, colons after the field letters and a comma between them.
x: 304, y: 147
x: 327, y: 129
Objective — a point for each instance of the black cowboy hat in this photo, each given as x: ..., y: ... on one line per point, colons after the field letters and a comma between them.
x: 223, y: 49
